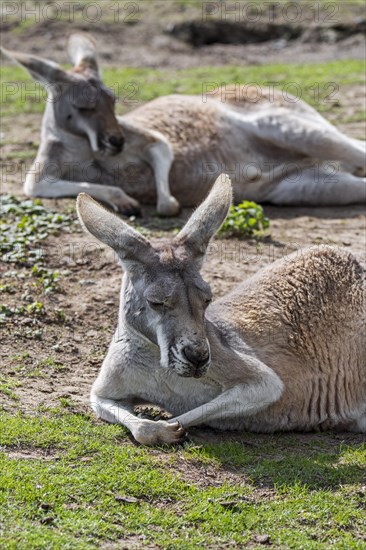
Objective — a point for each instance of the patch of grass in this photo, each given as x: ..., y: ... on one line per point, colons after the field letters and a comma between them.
x: 319, y: 84
x: 42, y: 368
x: 66, y: 402
x: 19, y: 155
x: 69, y: 482
x: 358, y: 116
x: 7, y: 387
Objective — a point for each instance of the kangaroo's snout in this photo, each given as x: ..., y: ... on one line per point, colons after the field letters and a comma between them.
x: 196, y: 358
x: 111, y: 144
x: 116, y: 141
x: 198, y: 361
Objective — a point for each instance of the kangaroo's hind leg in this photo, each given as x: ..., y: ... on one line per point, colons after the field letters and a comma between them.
x: 312, y: 138
x: 320, y: 185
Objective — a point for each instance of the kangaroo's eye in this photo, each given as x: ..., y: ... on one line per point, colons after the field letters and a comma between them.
x: 155, y: 304
x: 85, y: 110
x: 69, y: 117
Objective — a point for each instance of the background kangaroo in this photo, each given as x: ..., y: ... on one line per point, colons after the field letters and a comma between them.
x: 176, y: 146
x: 284, y: 351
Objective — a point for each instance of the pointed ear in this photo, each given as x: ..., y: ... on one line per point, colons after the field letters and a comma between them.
x: 81, y: 48
x: 207, y: 219
x: 40, y: 69
x: 130, y: 245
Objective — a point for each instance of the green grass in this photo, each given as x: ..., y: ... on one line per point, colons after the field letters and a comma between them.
x: 7, y: 387
x: 358, y: 116
x: 78, y: 484
x: 37, y: 369
x: 318, y: 84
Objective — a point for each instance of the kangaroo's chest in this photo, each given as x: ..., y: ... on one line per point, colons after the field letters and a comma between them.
x: 79, y: 164
x: 173, y: 393
x: 184, y: 394
x: 146, y: 381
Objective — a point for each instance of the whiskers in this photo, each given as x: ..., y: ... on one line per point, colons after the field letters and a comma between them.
x: 107, y: 150
x: 169, y: 371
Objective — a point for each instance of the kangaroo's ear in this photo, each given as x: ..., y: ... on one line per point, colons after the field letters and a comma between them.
x: 207, y: 219
x: 131, y: 247
x: 40, y: 69
x: 81, y: 48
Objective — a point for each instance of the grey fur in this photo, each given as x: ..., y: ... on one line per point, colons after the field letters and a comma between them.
x: 284, y: 351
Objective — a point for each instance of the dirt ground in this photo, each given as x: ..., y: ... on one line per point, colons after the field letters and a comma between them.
x: 330, y: 31
x: 89, y: 294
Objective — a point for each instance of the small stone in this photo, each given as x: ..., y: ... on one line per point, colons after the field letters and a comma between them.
x: 48, y: 520
x: 86, y: 282
x: 126, y: 499
x: 262, y: 539
x: 26, y: 321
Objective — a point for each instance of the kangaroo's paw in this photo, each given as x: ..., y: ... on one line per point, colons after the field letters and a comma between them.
x: 148, y: 432
x: 169, y: 207
x: 123, y: 204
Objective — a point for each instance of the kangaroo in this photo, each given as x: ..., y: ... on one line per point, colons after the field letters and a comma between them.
x: 173, y: 148
x: 285, y: 350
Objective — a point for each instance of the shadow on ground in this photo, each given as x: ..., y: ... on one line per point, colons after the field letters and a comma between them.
x: 313, y: 460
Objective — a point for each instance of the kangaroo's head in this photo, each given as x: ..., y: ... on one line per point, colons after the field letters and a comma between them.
x: 163, y: 294
x: 82, y: 105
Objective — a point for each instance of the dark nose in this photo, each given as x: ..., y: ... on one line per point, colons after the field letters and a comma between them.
x: 198, y: 359
x: 116, y: 141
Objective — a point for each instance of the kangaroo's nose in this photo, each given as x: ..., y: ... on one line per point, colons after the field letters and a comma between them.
x: 116, y: 141
x: 196, y: 358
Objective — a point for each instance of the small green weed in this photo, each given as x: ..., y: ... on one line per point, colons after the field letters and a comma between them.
x: 245, y: 220
x: 34, y: 308
x: 44, y: 368
x: 8, y: 289
x: 7, y: 386
x: 47, y: 277
x: 23, y: 225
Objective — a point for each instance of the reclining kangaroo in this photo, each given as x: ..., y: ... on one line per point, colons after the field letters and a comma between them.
x: 284, y: 351
x: 176, y: 146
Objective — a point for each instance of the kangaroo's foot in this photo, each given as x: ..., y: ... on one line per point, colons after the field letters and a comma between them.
x: 168, y: 207
x: 126, y: 205
x: 148, y: 432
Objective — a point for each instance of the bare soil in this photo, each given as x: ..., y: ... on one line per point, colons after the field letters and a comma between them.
x: 88, y: 296
x: 175, y: 34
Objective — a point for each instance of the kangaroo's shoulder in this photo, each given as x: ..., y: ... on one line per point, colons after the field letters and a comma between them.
x: 307, y: 292
x: 180, y: 119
